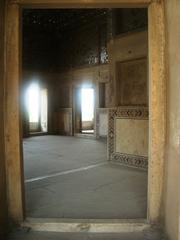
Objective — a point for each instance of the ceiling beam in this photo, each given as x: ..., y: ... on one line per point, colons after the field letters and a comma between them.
x: 82, y: 3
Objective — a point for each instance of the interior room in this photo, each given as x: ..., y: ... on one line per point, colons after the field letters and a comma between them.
x: 85, y: 113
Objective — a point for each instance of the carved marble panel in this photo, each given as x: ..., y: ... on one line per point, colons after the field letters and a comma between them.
x: 135, y: 155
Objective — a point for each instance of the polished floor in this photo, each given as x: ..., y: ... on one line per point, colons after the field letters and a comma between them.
x: 69, y: 177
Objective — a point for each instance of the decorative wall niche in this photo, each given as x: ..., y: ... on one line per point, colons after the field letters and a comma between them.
x: 132, y: 82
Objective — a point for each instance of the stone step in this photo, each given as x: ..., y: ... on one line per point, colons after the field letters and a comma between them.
x: 67, y: 229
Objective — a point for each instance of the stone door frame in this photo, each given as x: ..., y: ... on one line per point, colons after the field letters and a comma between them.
x: 157, y: 98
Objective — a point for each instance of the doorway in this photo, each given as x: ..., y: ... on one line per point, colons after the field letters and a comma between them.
x: 84, y: 111
x: 87, y: 110
x: 36, y: 103
x: 157, y: 106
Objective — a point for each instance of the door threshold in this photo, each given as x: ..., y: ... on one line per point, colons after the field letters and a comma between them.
x: 35, y: 134
x: 84, y: 135
x: 86, y: 225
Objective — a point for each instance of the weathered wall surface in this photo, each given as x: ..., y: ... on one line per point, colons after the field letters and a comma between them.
x: 132, y: 84
x: 172, y: 184
x: 126, y: 139
x: 3, y: 208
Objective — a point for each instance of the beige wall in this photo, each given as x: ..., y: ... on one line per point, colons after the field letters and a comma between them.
x: 132, y: 84
x: 172, y: 186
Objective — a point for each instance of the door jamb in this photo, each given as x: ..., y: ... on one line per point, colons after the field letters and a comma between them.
x: 157, y: 99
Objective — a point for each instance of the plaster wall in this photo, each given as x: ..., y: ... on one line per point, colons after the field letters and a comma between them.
x: 172, y: 184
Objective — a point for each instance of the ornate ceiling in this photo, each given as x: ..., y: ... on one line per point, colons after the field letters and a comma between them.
x: 61, y: 38
x: 60, y: 19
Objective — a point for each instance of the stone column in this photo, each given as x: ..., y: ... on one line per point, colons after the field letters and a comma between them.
x: 13, y: 143
x: 157, y: 110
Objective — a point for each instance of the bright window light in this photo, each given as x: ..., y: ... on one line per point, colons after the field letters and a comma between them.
x: 33, y: 105
x: 87, y: 104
